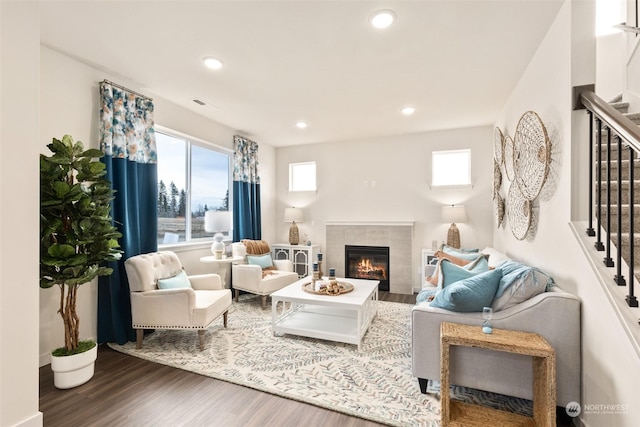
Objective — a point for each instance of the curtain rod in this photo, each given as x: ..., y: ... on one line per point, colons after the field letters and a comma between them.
x: 126, y: 89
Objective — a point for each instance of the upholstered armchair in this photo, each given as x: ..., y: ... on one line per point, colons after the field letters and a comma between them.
x: 260, y: 274
x: 164, y: 297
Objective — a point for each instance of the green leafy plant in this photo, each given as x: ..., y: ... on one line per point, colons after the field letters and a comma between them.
x: 77, y: 236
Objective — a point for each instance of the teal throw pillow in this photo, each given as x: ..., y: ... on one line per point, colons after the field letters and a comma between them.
x: 451, y: 273
x: 519, y: 283
x: 179, y: 281
x: 470, y: 294
x: 263, y: 261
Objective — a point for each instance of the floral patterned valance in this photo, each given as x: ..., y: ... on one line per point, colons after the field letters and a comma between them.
x: 245, y: 160
x: 126, y: 125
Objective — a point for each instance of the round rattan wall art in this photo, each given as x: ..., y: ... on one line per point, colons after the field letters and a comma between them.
x: 497, y: 180
x: 518, y: 212
x: 508, y: 158
x: 498, y: 145
x: 531, y: 155
x: 498, y: 209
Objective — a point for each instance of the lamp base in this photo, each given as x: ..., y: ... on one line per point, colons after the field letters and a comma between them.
x: 217, y: 248
x: 294, y: 234
x: 453, y: 236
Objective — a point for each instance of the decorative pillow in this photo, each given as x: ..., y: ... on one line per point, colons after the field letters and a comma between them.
x: 450, y: 249
x: 451, y: 273
x: 519, y: 283
x: 239, y: 250
x: 496, y: 258
x: 461, y: 261
x: 470, y: 294
x: 179, y: 281
x: 426, y: 295
x: 264, y: 261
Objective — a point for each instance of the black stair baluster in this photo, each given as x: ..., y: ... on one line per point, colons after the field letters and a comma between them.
x: 632, y: 301
x: 590, y: 230
x: 619, y: 278
x: 607, y: 259
x: 598, y: 245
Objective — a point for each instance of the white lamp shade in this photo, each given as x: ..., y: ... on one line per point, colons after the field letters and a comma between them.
x: 454, y: 214
x: 217, y: 221
x: 293, y: 215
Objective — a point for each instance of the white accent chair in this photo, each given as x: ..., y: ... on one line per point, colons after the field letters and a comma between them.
x: 192, y: 307
x: 252, y: 278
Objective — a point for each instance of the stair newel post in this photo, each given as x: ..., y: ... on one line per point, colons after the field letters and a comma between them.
x: 598, y: 245
x: 632, y: 301
x: 619, y: 278
x: 607, y: 259
x: 590, y: 230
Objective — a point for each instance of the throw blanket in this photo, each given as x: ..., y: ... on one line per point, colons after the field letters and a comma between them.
x: 256, y: 247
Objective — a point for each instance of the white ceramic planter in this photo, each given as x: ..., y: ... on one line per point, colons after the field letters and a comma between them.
x: 72, y: 371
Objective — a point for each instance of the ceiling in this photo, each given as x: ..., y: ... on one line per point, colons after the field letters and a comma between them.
x: 318, y: 61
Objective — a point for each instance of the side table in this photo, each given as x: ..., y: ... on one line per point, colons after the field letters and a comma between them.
x: 544, y: 376
x: 221, y: 266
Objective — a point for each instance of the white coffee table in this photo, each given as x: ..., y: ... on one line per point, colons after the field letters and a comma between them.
x: 342, y: 318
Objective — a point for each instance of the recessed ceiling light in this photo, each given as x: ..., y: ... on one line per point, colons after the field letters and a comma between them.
x: 407, y: 111
x: 213, y: 63
x: 301, y: 125
x: 382, y: 18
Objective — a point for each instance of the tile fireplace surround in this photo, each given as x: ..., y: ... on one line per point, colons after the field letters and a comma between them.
x: 398, y: 236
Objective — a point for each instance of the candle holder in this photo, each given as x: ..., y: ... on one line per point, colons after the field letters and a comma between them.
x: 320, y: 266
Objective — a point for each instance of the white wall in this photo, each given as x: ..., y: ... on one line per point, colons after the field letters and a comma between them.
x: 69, y: 104
x: 566, y: 58
x: 388, y: 179
x: 19, y: 219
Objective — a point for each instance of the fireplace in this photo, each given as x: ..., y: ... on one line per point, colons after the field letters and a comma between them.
x: 368, y: 262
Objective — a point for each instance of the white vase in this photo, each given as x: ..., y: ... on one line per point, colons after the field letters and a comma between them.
x: 72, y: 371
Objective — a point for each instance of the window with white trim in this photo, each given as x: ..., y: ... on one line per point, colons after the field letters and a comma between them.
x: 451, y: 168
x: 302, y: 176
x: 194, y: 176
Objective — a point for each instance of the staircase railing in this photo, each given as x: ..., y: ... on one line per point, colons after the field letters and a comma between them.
x: 624, y: 135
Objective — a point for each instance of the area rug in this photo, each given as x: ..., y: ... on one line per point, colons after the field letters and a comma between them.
x: 374, y: 384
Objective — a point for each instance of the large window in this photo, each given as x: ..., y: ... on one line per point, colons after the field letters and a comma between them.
x: 451, y: 168
x: 193, y: 177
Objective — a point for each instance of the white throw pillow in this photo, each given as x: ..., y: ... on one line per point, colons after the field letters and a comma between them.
x: 495, y: 257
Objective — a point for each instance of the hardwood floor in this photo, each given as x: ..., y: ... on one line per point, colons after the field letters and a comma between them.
x: 128, y: 391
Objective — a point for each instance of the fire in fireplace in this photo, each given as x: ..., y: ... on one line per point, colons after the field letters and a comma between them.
x: 368, y: 262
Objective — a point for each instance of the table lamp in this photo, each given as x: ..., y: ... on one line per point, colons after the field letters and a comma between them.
x: 217, y: 222
x: 293, y: 215
x: 454, y: 214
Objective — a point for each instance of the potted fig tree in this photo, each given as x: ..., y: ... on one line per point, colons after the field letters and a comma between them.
x: 77, y: 238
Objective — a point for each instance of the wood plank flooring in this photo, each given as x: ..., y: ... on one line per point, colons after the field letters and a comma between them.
x: 127, y: 391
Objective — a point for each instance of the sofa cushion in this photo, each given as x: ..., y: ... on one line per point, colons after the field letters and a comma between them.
x: 470, y: 294
x: 179, y: 281
x: 519, y: 283
x: 467, y: 260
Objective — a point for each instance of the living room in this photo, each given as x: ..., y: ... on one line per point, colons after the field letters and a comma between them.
x: 61, y: 94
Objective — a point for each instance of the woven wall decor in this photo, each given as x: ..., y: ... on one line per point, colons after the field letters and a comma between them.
x: 497, y: 180
x: 508, y: 158
x: 531, y: 155
x: 498, y: 209
x: 518, y: 212
x: 498, y: 145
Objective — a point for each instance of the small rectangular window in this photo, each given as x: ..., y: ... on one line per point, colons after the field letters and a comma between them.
x: 302, y: 176
x: 451, y: 168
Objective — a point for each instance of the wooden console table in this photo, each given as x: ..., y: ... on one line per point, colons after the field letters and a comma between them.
x: 456, y: 413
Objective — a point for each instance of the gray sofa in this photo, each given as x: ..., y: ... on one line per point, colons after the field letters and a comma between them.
x: 554, y: 314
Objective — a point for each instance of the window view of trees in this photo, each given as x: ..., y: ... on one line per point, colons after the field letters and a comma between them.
x: 205, y: 188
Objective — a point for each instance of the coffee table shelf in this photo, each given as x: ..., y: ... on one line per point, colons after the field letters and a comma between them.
x: 341, y: 318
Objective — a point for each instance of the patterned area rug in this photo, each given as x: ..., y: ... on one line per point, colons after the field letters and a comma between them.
x: 375, y: 384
